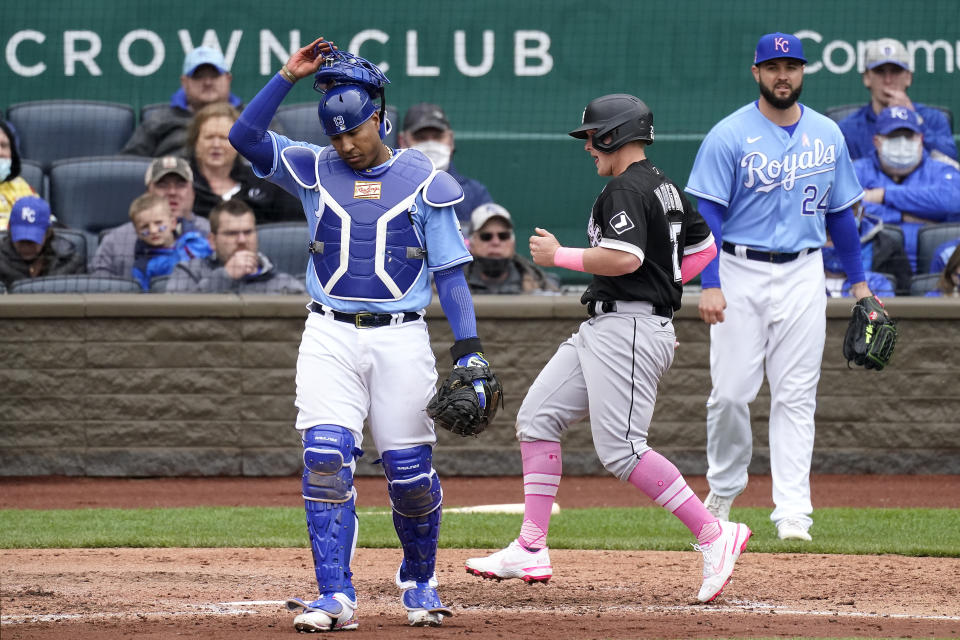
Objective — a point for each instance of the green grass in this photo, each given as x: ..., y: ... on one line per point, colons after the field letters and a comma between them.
x: 914, y: 532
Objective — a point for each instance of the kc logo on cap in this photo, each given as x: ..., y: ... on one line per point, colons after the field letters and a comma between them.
x: 778, y: 45
x: 899, y: 112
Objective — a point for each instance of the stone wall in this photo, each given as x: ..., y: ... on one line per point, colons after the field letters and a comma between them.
x: 142, y: 385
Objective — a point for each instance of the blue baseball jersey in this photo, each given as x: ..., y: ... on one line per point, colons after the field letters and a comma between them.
x: 776, y: 187
x: 437, y: 226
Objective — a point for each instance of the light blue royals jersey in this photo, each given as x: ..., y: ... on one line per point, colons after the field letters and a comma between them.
x: 776, y: 187
x: 436, y: 226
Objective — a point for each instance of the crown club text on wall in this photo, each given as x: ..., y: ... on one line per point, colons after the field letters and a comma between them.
x: 142, y: 52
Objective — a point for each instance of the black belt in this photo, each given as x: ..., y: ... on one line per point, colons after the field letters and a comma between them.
x: 611, y: 306
x: 767, y: 256
x: 365, y: 320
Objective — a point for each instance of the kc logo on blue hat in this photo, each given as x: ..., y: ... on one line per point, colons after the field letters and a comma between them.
x: 893, y: 118
x: 778, y: 45
x: 29, y: 219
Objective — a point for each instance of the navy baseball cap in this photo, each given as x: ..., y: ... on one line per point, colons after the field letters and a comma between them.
x: 201, y: 56
x: 29, y: 219
x: 893, y: 118
x: 778, y: 45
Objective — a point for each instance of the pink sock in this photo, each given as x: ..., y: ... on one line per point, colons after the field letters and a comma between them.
x: 542, y: 467
x: 661, y: 481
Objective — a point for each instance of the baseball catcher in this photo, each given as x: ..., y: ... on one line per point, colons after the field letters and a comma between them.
x: 468, y: 399
x: 871, y: 335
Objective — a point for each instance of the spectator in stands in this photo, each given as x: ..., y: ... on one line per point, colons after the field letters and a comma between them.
x: 903, y: 184
x: 30, y: 249
x: 171, y: 178
x: 220, y: 174
x: 496, y: 266
x: 941, y: 255
x: 949, y: 283
x: 205, y: 80
x: 888, y: 75
x: 158, y: 248
x: 12, y: 184
x: 236, y: 266
x: 426, y: 128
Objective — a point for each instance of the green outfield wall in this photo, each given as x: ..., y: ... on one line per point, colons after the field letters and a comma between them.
x: 513, y: 76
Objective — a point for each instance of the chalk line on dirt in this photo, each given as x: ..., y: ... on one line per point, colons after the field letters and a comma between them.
x: 255, y: 607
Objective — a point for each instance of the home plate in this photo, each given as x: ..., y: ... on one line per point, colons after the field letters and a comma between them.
x: 496, y: 508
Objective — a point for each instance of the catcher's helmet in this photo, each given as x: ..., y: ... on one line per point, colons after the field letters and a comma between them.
x: 345, y: 107
x: 341, y: 69
x: 620, y: 115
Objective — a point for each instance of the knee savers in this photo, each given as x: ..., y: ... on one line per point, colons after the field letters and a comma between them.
x: 329, y: 458
x: 412, y: 483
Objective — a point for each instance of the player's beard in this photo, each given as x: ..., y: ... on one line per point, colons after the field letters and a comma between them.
x: 780, y: 103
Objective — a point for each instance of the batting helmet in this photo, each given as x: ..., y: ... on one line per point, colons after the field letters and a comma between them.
x: 345, y: 107
x: 620, y: 115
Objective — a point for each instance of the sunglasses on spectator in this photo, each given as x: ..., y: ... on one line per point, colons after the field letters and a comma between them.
x: 487, y: 236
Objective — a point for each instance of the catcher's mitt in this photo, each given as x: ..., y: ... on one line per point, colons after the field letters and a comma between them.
x: 468, y: 399
x: 871, y: 335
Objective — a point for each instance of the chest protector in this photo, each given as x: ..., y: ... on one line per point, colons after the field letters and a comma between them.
x: 366, y: 246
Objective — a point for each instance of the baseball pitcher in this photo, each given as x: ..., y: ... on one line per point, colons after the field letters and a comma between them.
x: 771, y: 179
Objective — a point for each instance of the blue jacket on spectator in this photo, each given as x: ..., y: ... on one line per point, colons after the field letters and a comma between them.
x: 150, y: 262
x: 858, y: 129
x: 941, y: 254
x: 931, y: 191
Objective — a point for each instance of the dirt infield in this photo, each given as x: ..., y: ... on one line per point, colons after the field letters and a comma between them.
x: 236, y: 593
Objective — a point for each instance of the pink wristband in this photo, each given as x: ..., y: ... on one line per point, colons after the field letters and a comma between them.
x: 569, y: 258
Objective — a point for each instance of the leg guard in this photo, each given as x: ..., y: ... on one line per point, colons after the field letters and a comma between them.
x: 329, y: 457
x: 416, y: 496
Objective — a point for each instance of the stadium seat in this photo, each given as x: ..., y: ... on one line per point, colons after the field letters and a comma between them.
x: 285, y: 243
x: 92, y: 194
x: 923, y: 282
x: 159, y: 284
x: 33, y: 173
x: 152, y: 109
x: 894, y: 232
x: 80, y: 283
x: 930, y: 237
x: 3, y: 288
x: 839, y: 112
x: 301, y: 122
x: 52, y: 130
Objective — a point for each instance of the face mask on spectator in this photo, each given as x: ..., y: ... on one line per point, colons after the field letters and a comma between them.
x: 436, y: 151
x: 492, y: 267
x: 4, y: 168
x: 901, y: 154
